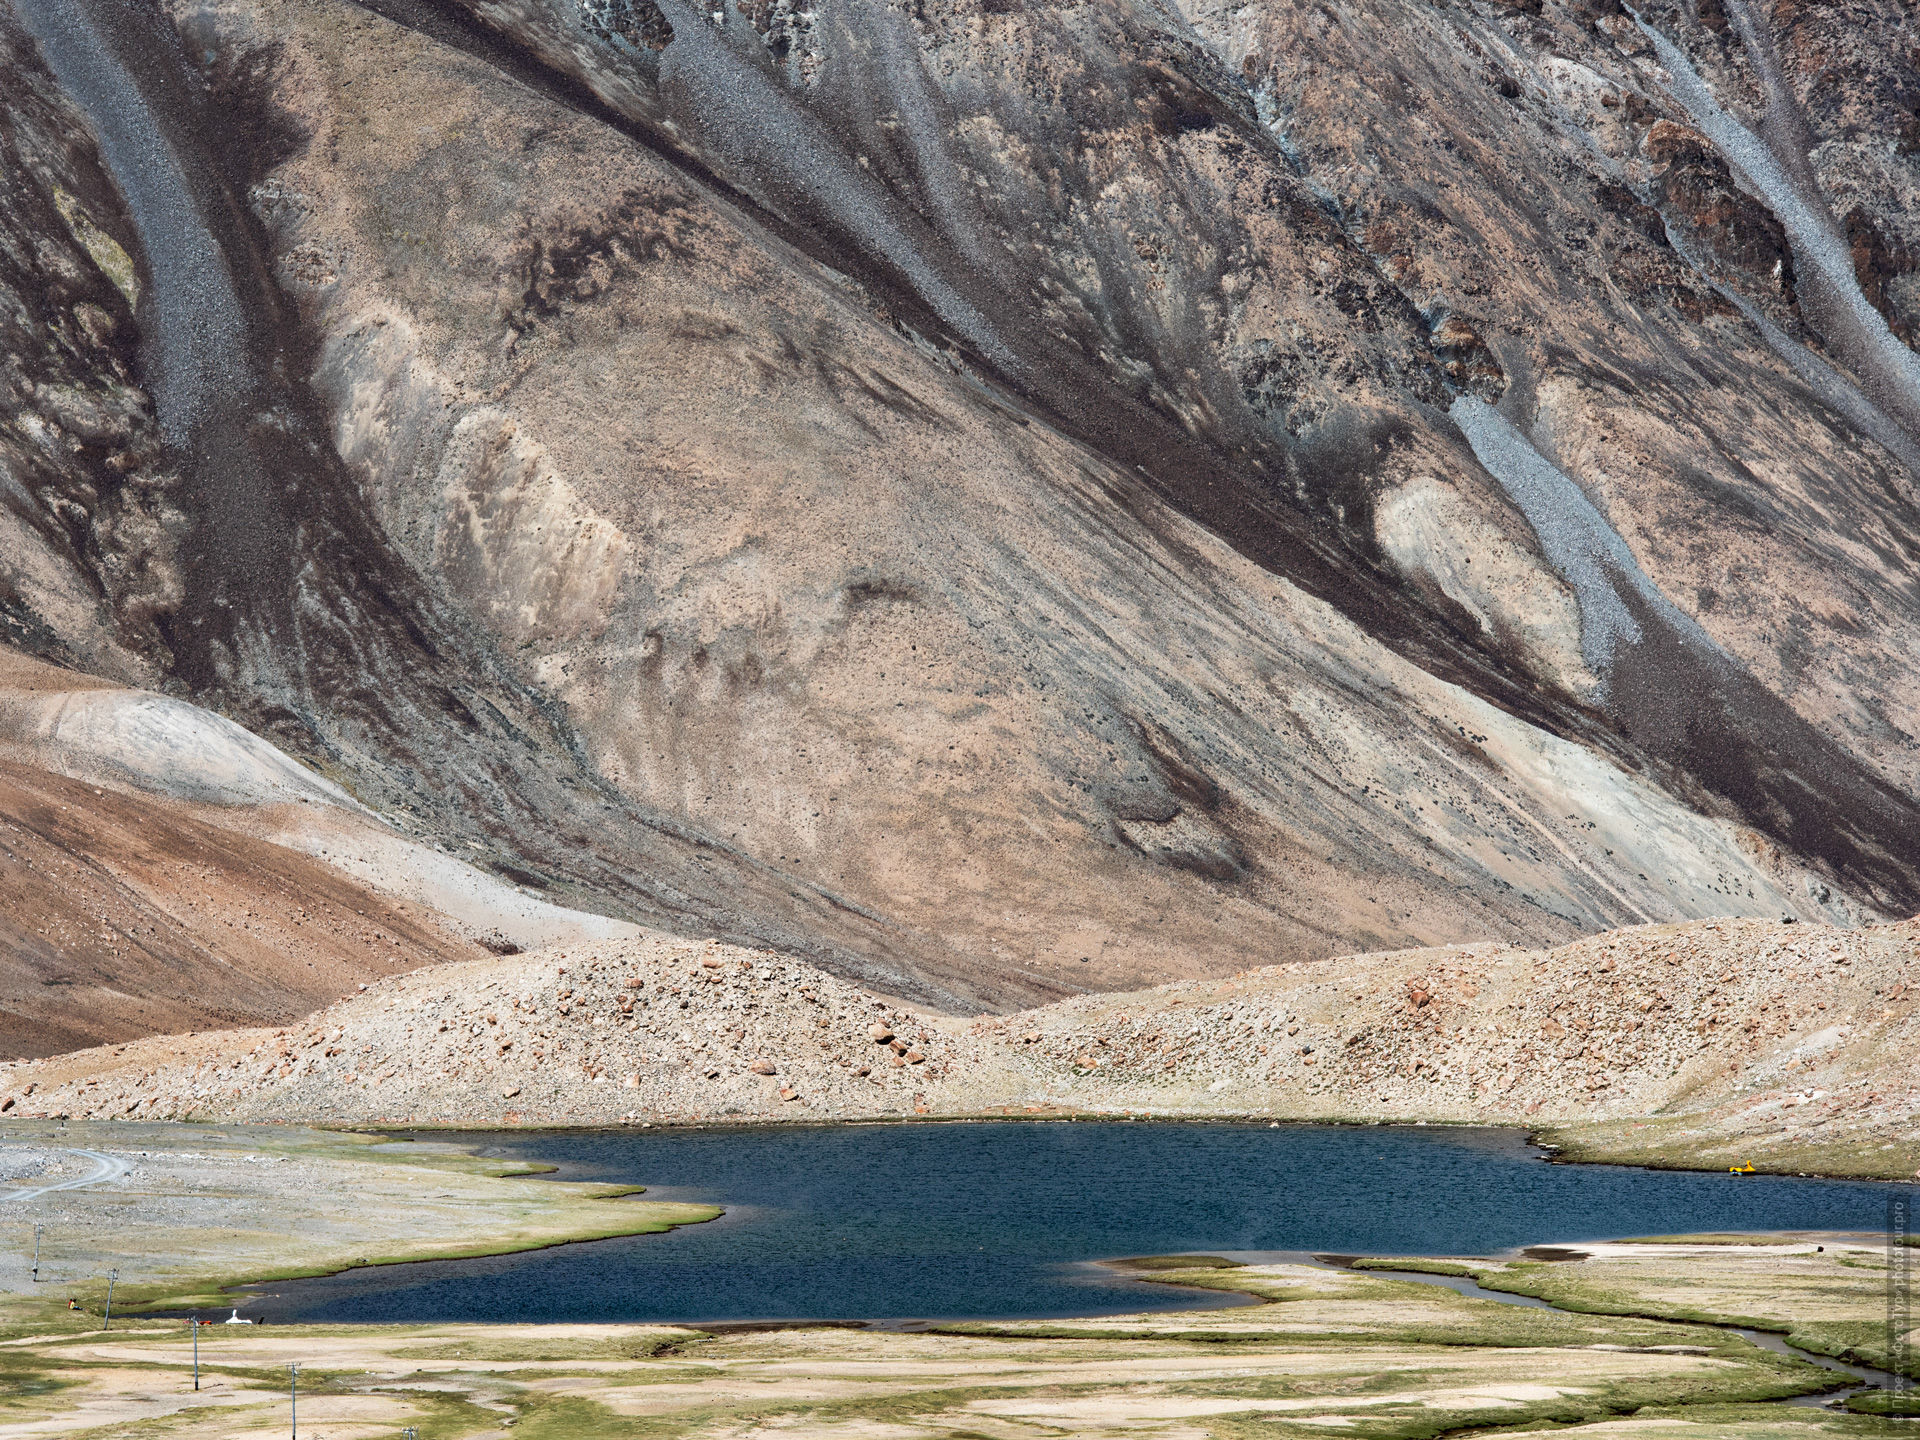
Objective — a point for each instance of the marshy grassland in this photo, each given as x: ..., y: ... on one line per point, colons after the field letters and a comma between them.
x: 203, y: 1207
x: 1310, y: 1350
x: 1823, y: 1293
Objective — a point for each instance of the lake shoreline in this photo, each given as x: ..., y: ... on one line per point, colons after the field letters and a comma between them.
x: 765, y: 1243
x: 1318, y: 1347
x: 1566, y: 1145
x: 1710, y: 1045
x: 1635, y: 1327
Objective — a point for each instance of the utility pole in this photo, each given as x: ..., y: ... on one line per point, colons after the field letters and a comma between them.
x: 193, y: 1324
x: 106, y: 1321
x: 293, y: 1393
x: 1899, y: 1301
x: 36, y: 1252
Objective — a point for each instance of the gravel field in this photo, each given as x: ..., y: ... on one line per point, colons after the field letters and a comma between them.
x: 1792, y: 1046
x: 649, y: 1028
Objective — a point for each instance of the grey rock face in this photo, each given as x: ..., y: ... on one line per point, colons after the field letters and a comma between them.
x: 89, y: 528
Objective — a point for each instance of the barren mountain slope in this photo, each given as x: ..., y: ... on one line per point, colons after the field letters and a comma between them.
x: 88, y: 528
x: 291, y: 613
x: 1575, y: 249
x: 1010, y: 499
x: 1534, y: 176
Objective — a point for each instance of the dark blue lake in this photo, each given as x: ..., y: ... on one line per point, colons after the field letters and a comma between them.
x: 891, y: 1222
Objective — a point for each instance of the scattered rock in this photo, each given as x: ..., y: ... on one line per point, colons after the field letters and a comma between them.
x: 1754, y: 1028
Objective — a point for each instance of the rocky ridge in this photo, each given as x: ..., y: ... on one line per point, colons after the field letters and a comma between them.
x: 1663, y: 1019
x: 649, y: 1028
x: 1781, y: 1041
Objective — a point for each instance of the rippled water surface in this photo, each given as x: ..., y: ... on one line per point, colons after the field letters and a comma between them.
x: 892, y: 1222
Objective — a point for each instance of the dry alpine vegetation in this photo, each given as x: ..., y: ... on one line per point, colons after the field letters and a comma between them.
x: 1332, y: 1354
x: 1788, y: 1046
x: 1310, y: 1349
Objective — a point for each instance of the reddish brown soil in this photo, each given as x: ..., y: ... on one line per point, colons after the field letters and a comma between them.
x: 124, y: 916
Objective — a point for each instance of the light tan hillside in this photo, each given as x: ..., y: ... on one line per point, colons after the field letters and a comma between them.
x: 1708, y: 1043
x: 1711, y: 1043
x: 644, y: 1029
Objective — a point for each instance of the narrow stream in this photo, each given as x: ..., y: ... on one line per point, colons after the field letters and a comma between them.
x: 1867, y: 1377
